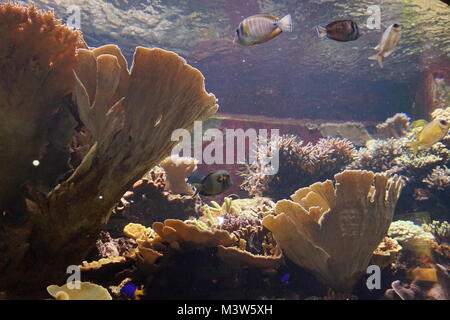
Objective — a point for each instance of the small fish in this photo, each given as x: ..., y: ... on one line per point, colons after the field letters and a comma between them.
x: 212, y: 184
x: 430, y: 133
x: 391, y: 37
x: 285, y: 278
x: 261, y: 28
x: 342, y: 30
x: 130, y: 291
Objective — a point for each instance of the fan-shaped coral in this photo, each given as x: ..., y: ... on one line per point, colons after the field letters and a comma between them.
x: 130, y: 114
x: 332, y: 231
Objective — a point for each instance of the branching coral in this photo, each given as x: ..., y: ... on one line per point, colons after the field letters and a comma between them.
x: 440, y: 230
x: 130, y: 115
x: 332, y: 231
x: 299, y: 165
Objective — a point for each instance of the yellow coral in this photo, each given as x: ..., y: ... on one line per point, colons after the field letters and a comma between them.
x: 332, y: 230
x: 86, y: 291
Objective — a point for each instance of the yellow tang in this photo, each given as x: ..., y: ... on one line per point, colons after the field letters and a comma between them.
x: 261, y: 28
x: 431, y: 133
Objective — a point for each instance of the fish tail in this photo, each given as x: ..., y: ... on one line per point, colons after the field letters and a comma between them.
x: 379, y: 58
x: 285, y: 23
x: 321, y: 32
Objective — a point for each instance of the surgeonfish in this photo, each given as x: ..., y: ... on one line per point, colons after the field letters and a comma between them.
x: 430, y: 133
x: 342, y: 30
x: 391, y: 37
x: 261, y: 28
x: 212, y: 184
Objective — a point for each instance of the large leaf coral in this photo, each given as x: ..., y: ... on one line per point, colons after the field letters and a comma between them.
x: 332, y: 230
x: 130, y: 115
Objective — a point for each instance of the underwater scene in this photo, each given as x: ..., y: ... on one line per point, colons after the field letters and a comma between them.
x: 224, y: 150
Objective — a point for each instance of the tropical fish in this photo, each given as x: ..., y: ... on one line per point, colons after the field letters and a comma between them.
x: 342, y: 30
x: 212, y: 184
x: 391, y: 37
x: 285, y: 278
x: 430, y: 133
x: 130, y: 291
x: 261, y: 28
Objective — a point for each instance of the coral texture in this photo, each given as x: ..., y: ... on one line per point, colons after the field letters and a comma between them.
x: 409, y: 235
x: 299, y: 165
x: 177, y: 170
x: 332, y: 231
x: 130, y: 115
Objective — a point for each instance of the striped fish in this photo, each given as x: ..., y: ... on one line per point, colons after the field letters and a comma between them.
x: 261, y: 28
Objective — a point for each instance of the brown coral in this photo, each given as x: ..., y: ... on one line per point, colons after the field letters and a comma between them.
x: 37, y: 56
x: 394, y: 127
x: 332, y: 231
x: 130, y: 115
x: 147, y: 201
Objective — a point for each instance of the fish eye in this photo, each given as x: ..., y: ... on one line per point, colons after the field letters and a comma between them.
x: 443, y: 122
x: 396, y: 25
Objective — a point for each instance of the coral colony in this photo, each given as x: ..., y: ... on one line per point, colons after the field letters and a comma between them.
x: 115, y: 216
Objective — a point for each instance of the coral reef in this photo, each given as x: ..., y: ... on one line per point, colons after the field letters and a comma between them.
x: 129, y: 115
x: 332, y: 231
x: 299, y: 165
x: 147, y: 201
x: 412, y: 237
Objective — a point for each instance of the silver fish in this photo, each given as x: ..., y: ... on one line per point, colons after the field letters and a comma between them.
x: 391, y: 37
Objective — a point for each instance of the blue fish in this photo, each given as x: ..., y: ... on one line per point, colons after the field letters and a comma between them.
x: 285, y: 278
x: 130, y: 291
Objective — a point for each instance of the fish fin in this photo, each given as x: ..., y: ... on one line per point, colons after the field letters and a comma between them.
x: 378, y: 58
x: 198, y: 188
x: 321, y: 32
x: 196, y: 177
x: 285, y: 23
x: 418, y: 123
x: 378, y: 47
